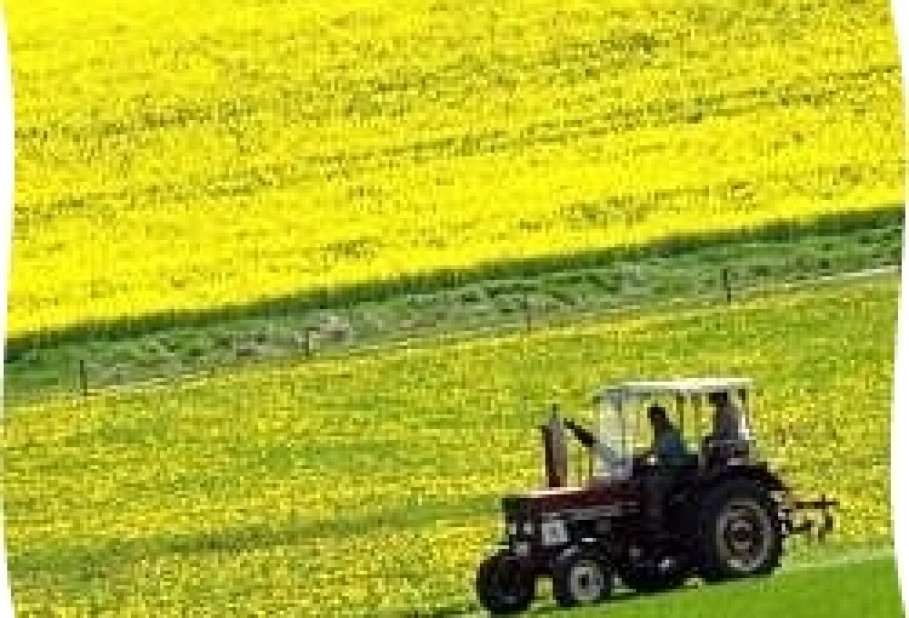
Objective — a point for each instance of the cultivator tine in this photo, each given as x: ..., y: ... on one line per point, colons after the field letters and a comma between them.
x: 816, y: 519
x: 827, y: 517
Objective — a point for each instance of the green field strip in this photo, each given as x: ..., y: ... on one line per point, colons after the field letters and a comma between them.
x: 154, y: 499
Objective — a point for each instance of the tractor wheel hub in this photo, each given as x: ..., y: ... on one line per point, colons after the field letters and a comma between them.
x: 587, y: 582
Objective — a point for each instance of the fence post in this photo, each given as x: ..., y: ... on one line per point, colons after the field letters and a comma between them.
x: 83, y: 377
x: 727, y: 285
x: 528, y: 318
x: 307, y: 342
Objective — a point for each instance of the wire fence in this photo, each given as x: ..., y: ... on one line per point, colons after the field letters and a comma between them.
x: 338, y: 339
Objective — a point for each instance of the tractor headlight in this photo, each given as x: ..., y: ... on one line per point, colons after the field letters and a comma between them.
x: 528, y: 528
x: 554, y: 532
x: 512, y: 529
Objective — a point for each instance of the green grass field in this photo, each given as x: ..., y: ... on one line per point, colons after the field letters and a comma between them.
x: 369, y: 484
x: 867, y: 588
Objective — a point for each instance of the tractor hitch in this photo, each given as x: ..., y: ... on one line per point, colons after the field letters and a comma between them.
x: 809, y: 517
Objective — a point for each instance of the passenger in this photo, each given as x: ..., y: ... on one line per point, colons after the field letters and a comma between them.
x: 728, y: 420
x: 730, y: 439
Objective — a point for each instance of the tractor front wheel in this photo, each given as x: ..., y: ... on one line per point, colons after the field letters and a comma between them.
x: 740, y: 533
x: 581, y: 577
x: 504, y: 584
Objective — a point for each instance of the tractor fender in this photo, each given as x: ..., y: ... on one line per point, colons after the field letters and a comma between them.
x: 689, y: 501
x: 758, y: 473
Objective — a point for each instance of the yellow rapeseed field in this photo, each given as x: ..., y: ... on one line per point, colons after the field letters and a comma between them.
x: 370, y: 485
x: 183, y: 156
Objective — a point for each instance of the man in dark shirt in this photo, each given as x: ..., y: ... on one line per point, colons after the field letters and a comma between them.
x: 670, y: 453
x: 669, y: 448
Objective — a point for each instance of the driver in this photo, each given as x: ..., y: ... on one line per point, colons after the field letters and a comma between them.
x: 669, y: 447
x: 670, y: 452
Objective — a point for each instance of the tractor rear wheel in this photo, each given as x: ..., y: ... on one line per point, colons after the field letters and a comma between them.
x: 581, y: 577
x: 739, y: 531
x: 504, y: 584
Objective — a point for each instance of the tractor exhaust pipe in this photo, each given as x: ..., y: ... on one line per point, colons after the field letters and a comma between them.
x: 555, y: 451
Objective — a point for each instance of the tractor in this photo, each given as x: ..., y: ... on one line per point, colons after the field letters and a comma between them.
x: 724, y: 512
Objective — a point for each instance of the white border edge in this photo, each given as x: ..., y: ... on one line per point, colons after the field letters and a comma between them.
x: 900, y: 425
x: 7, y: 124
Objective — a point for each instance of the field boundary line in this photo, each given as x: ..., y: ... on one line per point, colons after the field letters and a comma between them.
x: 505, y: 328
x: 866, y: 216
x: 568, y: 318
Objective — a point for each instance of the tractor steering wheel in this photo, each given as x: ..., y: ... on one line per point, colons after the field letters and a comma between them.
x: 644, y: 460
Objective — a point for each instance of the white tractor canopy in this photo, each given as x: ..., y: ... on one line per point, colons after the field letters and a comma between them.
x: 687, y: 388
x: 623, y: 426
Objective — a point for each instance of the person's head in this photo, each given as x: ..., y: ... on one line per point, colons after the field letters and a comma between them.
x: 658, y: 416
x: 718, y: 400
